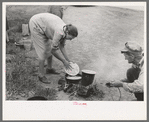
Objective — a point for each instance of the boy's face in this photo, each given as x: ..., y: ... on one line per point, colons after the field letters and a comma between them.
x: 130, y: 58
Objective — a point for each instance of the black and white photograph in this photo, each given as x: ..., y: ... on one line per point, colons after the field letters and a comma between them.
x: 80, y: 54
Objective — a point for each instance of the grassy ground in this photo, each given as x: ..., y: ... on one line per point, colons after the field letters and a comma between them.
x: 102, y: 33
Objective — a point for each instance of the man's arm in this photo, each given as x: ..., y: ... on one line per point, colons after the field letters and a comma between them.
x: 55, y: 46
x: 62, y: 48
x: 56, y: 54
x: 136, y: 86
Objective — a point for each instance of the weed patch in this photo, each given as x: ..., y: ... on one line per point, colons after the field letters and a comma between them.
x: 19, y: 72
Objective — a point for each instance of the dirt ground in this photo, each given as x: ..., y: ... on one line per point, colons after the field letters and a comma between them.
x: 103, y: 31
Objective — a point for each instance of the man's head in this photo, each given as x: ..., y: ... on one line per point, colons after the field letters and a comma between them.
x: 132, y: 52
x: 71, y: 32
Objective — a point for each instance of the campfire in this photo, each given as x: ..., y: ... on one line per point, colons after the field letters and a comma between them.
x: 80, y: 84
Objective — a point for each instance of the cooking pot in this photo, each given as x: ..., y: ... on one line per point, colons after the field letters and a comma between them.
x: 87, y: 77
x: 73, y: 79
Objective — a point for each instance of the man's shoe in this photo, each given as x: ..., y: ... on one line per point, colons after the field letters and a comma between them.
x: 51, y: 71
x: 43, y: 79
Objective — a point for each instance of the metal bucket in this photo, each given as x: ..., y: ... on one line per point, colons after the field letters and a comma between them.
x: 87, y: 77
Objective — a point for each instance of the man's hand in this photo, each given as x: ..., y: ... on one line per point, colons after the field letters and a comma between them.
x: 67, y: 65
x: 125, y: 80
x: 115, y: 84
